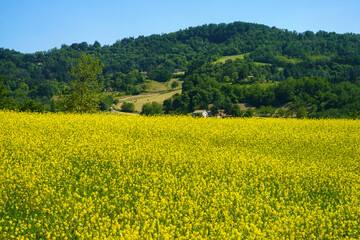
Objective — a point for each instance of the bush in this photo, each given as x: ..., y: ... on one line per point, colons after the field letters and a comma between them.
x: 106, y: 102
x: 301, y: 113
x: 281, y: 113
x: 153, y: 108
x: 249, y: 112
x: 128, y: 107
x: 160, y: 75
x: 31, y: 106
x: 267, y: 111
x: 175, y: 84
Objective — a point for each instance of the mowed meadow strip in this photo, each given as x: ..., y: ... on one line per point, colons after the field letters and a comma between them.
x: 67, y: 176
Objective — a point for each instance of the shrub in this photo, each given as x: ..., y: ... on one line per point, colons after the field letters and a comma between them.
x: 153, y: 108
x: 128, y: 107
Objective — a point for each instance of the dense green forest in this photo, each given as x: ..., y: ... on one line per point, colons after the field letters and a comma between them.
x: 312, y: 74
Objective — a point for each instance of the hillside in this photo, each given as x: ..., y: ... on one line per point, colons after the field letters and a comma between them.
x: 267, y: 54
x: 154, y: 92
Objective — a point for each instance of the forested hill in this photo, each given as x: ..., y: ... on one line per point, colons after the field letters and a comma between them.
x: 264, y: 54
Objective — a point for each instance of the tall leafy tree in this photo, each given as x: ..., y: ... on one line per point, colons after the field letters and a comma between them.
x: 83, y: 94
x: 4, y: 100
x: 160, y: 75
x: 153, y: 108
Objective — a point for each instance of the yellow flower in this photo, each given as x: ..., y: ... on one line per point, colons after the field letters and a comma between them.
x: 102, y: 176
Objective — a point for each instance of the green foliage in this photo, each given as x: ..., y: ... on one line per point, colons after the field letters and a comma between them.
x: 301, y: 113
x: 249, y: 112
x: 267, y: 111
x: 281, y: 113
x: 106, y: 102
x: 83, y: 94
x: 130, y: 82
x: 215, y: 84
x: 31, y: 106
x: 235, y: 111
x: 116, y: 101
x: 160, y: 75
x: 177, y: 104
x: 153, y: 108
x: 4, y: 100
x: 268, y: 67
x: 175, y: 84
x: 128, y: 107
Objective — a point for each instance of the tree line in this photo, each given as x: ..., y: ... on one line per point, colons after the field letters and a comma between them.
x: 224, y: 85
x: 272, y: 59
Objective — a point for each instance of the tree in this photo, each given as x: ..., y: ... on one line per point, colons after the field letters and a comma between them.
x: 301, y: 113
x: 153, y: 108
x: 160, y: 75
x: 249, y: 112
x: 106, y: 102
x: 175, y: 84
x: 267, y: 111
x: 31, y: 106
x: 5, y: 101
x: 128, y: 107
x: 3, y: 94
x: 235, y: 110
x: 83, y: 94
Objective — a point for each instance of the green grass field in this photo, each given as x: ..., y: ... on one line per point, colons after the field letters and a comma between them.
x: 234, y: 57
x: 154, y: 92
x: 140, y: 100
x: 153, y: 86
x: 240, y: 56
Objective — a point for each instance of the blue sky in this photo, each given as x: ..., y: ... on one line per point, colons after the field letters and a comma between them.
x: 39, y: 25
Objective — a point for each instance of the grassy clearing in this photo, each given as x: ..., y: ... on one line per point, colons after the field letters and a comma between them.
x: 262, y: 64
x: 179, y: 74
x: 155, y: 92
x: 288, y: 60
x: 140, y: 100
x: 233, y: 57
x: 240, y: 56
x: 168, y: 84
x: 153, y: 86
x: 319, y: 58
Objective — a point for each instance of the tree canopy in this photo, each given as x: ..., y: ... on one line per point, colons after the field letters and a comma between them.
x: 83, y: 94
x: 267, y: 66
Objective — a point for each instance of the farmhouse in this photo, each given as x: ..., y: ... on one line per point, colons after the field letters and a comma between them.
x: 199, y: 113
x: 145, y: 73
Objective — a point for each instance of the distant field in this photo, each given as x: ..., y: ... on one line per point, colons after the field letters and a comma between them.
x: 154, y: 92
x: 280, y: 58
x: 179, y: 74
x: 68, y: 176
x: 153, y: 86
x: 234, y: 57
x: 140, y: 100
x: 289, y: 60
x: 319, y: 58
x: 225, y: 58
x: 262, y: 64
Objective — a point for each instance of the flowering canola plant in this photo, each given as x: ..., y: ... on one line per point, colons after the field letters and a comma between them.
x: 67, y: 176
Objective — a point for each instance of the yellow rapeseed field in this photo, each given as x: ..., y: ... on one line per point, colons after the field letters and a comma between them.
x: 66, y: 176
